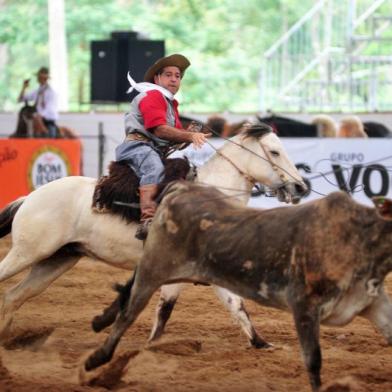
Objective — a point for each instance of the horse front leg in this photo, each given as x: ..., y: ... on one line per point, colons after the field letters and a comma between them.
x: 140, y: 296
x: 236, y: 306
x: 39, y: 278
x: 167, y: 300
x: 110, y: 312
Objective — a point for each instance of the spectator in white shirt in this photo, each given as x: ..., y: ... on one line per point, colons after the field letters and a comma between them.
x: 45, y: 101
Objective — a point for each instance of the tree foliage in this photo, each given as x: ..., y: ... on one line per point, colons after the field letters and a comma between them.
x: 224, y: 39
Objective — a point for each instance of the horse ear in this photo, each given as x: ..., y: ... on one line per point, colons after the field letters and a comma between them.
x: 383, y: 206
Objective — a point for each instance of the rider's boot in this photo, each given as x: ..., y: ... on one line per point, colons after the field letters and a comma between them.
x: 148, y: 208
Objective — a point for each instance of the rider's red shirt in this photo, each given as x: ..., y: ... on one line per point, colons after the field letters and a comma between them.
x: 155, y: 109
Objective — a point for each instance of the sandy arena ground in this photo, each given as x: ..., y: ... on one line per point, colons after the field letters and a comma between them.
x: 203, y: 350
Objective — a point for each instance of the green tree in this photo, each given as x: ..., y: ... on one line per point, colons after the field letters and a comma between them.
x: 224, y: 39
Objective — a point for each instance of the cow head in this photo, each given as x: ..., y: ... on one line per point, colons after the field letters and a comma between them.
x: 383, y: 206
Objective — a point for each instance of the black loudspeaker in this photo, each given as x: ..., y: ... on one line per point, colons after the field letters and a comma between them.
x: 111, y: 60
x: 103, y: 71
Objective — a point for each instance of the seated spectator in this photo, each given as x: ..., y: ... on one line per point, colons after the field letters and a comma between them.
x: 326, y: 126
x: 45, y: 102
x: 351, y: 126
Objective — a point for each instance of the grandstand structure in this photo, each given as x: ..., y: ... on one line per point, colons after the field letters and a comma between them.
x: 336, y: 58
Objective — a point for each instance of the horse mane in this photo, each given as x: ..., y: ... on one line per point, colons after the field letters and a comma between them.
x: 118, y: 192
x: 257, y: 130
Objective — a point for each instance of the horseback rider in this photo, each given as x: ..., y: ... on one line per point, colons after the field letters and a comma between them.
x: 152, y: 125
x: 45, y: 102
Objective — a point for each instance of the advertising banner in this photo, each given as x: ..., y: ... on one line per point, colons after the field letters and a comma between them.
x: 27, y: 164
x: 361, y: 167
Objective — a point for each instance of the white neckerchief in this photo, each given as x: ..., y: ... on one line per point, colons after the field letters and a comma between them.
x: 145, y: 86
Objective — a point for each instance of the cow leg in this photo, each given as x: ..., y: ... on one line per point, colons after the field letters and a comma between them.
x: 40, y: 277
x: 307, y: 324
x: 140, y: 295
x: 235, y: 305
x: 167, y: 300
x: 380, y: 314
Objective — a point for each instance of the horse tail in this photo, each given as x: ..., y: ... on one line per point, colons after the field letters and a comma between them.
x: 7, y: 215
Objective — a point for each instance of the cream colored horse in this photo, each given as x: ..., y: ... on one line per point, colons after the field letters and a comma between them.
x: 54, y: 226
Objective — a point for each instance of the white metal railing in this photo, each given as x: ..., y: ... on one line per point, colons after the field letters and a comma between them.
x: 281, y: 42
x: 328, y: 60
x: 364, y: 9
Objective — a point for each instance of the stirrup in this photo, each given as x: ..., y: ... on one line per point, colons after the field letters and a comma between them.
x: 142, y: 229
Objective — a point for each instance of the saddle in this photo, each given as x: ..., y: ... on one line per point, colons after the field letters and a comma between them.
x: 118, y: 192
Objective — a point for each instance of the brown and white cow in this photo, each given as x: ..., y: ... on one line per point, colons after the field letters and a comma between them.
x: 325, y: 261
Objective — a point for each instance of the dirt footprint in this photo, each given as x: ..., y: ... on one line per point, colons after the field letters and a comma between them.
x: 29, y: 339
x: 179, y: 347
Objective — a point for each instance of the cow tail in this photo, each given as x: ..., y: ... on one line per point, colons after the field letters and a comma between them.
x: 7, y: 215
x: 124, y: 291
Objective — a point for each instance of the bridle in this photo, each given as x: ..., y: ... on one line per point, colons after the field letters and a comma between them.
x: 247, y: 177
x: 268, y: 158
x: 282, y: 175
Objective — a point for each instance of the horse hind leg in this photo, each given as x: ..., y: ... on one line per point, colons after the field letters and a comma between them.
x: 167, y: 301
x: 39, y: 278
x: 14, y: 262
x: 235, y: 305
x: 28, y: 247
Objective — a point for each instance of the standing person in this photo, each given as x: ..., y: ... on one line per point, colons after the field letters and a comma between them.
x: 45, y: 101
x: 151, y: 126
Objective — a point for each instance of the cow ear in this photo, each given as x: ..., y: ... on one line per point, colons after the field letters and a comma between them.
x: 383, y: 206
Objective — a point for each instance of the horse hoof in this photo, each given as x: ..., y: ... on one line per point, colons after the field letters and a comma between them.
x: 86, y: 377
x: 107, y: 376
x: 258, y: 342
x: 102, y: 321
x: 96, y: 359
x: 97, y: 324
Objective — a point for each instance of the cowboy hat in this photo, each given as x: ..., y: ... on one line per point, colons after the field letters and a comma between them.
x: 174, y: 60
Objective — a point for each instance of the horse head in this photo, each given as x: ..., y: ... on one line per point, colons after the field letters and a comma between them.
x: 24, y: 126
x: 30, y: 124
x: 266, y: 161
